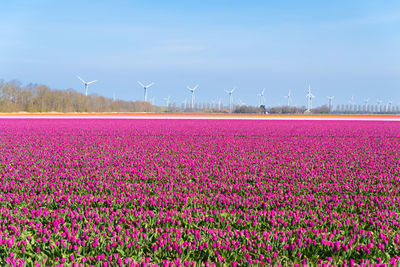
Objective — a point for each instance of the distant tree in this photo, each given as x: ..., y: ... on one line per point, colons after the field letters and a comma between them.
x: 246, y: 109
x: 321, y: 110
x: 40, y: 98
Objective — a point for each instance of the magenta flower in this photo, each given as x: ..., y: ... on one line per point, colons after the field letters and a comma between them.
x: 241, y: 191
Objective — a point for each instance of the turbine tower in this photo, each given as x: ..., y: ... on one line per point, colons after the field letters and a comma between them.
x: 289, y: 98
x: 379, y: 102
x: 86, y: 84
x: 192, y: 91
x: 351, y: 101
x: 309, y: 97
x: 230, y: 98
x: 330, y: 98
x: 261, y: 100
x: 389, y: 105
x: 167, y: 99
x: 145, y: 87
x: 185, y: 103
x: 366, y: 107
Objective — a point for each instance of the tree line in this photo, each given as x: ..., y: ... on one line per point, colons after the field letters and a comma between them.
x: 40, y: 98
x: 280, y: 110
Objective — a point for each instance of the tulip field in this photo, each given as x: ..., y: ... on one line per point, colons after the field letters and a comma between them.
x: 170, y: 192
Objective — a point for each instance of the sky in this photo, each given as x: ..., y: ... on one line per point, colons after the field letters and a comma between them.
x: 340, y: 48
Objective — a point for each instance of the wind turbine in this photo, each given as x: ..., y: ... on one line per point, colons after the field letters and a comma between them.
x: 185, y: 103
x: 145, y: 87
x: 241, y: 103
x: 230, y: 98
x: 379, y: 102
x: 86, y: 84
x: 366, y: 107
x: 261, y: 98
x: 389, y: 106
x: 192, y: 91
x: 351, y: 101
x: 288, y: 96
x: 330, y: 98
x: 167, y: 99
x: 309, y: 97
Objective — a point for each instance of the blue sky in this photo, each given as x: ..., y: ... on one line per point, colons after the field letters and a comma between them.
x: 341, y: 48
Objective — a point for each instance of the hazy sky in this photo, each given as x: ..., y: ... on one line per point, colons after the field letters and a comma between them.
x: 341, y: 48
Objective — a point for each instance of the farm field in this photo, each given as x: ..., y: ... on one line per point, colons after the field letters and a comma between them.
x: 117, y: 192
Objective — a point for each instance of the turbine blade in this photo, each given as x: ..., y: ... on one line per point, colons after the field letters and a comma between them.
x: 92, y: 82
x: 151, y: 84
x: 81, y: 79
x: 141, y: 84
x: 195, y: 87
